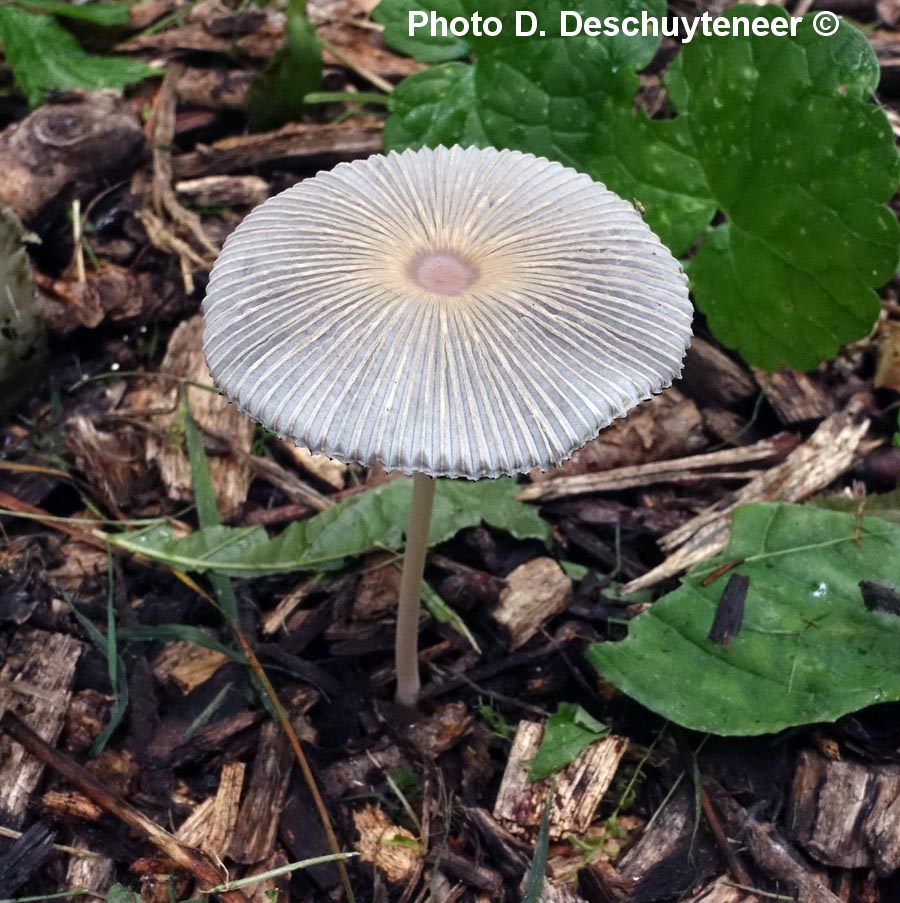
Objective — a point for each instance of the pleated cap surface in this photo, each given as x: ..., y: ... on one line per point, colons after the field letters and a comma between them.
x: 457, y: 312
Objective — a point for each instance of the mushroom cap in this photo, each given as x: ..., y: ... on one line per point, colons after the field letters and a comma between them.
x: 456, y: 312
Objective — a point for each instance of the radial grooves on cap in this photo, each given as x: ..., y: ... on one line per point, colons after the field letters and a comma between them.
x: 315, y: 326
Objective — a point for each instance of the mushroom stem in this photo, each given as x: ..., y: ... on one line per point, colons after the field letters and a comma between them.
x: 407, y: 646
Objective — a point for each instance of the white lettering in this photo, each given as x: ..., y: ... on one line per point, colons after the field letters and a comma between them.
x: 521, y: 16
x: 567, y: 30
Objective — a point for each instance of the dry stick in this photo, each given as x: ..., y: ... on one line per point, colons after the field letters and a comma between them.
x: 381, y: 83
x: 91, y: 537
x: 182, y: 855
x: 674, y: 470
x: 407, y: 637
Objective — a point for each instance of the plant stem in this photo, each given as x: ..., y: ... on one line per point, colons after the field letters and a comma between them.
x: 407, y: 647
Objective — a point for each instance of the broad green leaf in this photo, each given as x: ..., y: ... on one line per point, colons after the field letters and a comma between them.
x: 119, y: 893
x: 375, y: 519
x: 808, y: 649
x: 434, y: 107
x: 276, y: 96
x: 652, y: 162
x: 778, y: 133
x: 567, y: 732
x: 23, y: 341
x: 541, y: 95
x: 105, y: 14
x: 45, y: 57
x: 802, y: 165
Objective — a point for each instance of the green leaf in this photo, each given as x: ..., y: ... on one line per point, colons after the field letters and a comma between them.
x: 104, y: 14
x: 119, y: 893
x: 567, y: 732
x: 23, y: 341
x: 652, y: 162
x: 808, y: 649
x: 375, y: 519
x: 276, y: 96
x: 802, y: 165
x: 45, y: 57
x: 540, y: 95
x: 777, y: 132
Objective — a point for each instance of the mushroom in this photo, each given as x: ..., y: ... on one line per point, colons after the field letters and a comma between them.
x: 444, y: 313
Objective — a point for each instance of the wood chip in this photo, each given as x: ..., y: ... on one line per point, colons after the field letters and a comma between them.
x: 35, y: 684
x: 887, y: 373
x: 214, y: 415
x: 661, y: 842
x: 388, y: 847
x: 93, y: 873
x: 212, y: 823
x: 846, y: 814
x: 323, y: 468
x: 378, y: 588
x: 774, y: 854
x: 254, y: 837
x: 795, y: 397
x: 712, y: 377
x: 276, y: 619
x: 65, y: 804
x: 810, y: 468
x: 579, y: 788
x: 441, y: 731
x: 187, y: 665
x: 535, y: 592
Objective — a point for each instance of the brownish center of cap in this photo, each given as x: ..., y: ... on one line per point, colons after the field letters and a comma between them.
x: 443, y: 272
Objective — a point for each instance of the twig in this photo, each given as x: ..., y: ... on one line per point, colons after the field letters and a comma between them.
x: 675, y: 470
x: 182, y: 855
x: 61, y: 847
x: 735, y: 866
x: 76, y: 240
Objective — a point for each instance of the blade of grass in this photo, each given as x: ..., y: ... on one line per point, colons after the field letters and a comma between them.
x: 78, y: 892
x: 534, y: 884
x: 117, y: 676
x: 281, y: 870
x: 171, y: 633
x: 347, y: 97
x: 208, y: 516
